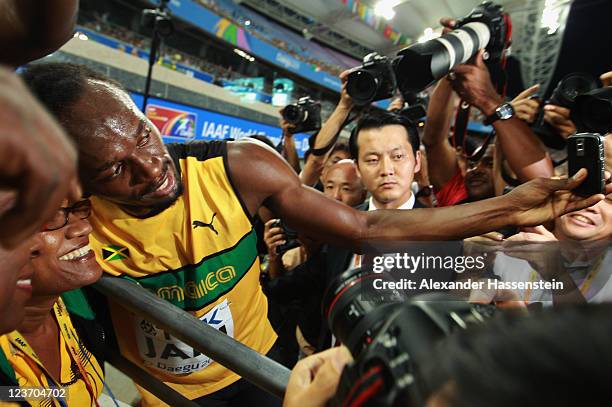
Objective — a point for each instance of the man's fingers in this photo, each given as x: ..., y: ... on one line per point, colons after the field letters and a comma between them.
x: 448, y: 22
x: 528, y: 92
x: 563, y: 111
x: 479, y: 60
x: 574, y: 180
x: 583, y: 203
x: 344, y: 75
x: 462, y: 69
x: 606, y: 79
x: 554, y: 118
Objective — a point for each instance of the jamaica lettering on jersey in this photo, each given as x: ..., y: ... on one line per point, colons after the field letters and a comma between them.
x: 200, y: 255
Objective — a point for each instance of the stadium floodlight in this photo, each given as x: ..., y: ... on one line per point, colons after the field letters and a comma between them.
x: 384, y: 8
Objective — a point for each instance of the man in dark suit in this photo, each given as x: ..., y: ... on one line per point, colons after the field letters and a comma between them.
x: 385, y: 147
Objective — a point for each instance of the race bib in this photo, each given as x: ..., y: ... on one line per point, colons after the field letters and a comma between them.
x: 163, y: 352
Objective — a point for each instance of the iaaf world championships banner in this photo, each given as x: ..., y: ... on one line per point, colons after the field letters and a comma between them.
x: 181, y: 123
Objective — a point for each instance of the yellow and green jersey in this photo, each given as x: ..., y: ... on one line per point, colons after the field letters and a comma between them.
x: 81, y: 377
x: 199, y: 254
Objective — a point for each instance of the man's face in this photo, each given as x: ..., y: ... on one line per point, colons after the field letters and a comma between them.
x: 479, y: 177
x: 593, y: 223
x: 387, y: 164
x: 342, y: 183
x: 121, y: 154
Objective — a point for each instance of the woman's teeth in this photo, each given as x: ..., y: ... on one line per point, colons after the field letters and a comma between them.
x: 583, y: 219
x: 75, y: 254
x: 24, y: 282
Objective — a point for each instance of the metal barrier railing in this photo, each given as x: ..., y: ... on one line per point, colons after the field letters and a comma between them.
x: 250, y: 365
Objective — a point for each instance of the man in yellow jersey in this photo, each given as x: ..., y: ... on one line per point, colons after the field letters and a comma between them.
x: 177, y: 219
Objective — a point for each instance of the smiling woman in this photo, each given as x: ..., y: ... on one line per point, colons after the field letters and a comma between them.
x: 46, y: 350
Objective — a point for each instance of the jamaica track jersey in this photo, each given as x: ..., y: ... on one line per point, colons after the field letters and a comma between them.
x: 200, y: 254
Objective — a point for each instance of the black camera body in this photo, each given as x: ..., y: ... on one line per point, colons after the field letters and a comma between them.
x: 291, y: 238
x: 565, y: 94
x: 372, y: 81
x: 305, y: 115
x: 387, y: 372
x: 592, y: 111
x: 492, y: 15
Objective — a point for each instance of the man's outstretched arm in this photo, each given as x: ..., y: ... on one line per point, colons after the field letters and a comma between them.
x: 263, y: 178
x: 31, y: 29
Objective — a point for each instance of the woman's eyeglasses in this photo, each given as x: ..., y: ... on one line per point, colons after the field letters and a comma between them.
x: 81, y: 209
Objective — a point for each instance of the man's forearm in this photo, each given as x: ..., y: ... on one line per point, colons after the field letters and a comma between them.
x: 290, y: 153
x: 439, y: 114
x: 520, y: 146
x: 331, y: 127
x: 448, y: 223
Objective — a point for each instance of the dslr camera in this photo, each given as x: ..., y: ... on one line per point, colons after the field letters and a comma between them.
x: 390, y: 340
x: 418, y: 66
x: 374, y: 80
x: 305, y: 115
x: 565, y: 94
x: 592, y: 111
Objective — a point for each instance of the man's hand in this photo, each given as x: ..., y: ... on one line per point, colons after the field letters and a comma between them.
x: 396, y: 104
x: 544, y: 199
x: 273, y: 237
x: 286, y: 126
x: 537, y: 246
x: 525, y: 107
x: 559, y: 118
x: 346, y: 103
x: 314, y: 379
x: 473, y: 84
x: 533, y: 234
x: 36, y: 159
x: 606, y: 79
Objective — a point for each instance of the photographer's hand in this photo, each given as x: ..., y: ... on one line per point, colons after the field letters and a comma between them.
x: 346, y: 103
x: 525, y: 107
x: 314, y: 379
x: 473, y: 83
x: 273, y: 237
x: 559, y: 118
x: 606, y: 79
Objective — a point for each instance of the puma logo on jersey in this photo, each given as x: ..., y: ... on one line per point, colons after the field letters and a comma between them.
x: 197, y: 223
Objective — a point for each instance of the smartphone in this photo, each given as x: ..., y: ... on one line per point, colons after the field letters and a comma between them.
x: 586, y: 150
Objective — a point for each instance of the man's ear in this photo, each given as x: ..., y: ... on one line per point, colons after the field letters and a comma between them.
x: 417, y: 161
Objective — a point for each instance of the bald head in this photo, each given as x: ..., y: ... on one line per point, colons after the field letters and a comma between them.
x: 342, y: 182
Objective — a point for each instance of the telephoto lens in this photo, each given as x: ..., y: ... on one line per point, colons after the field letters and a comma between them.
x: 422, y: 64
x: 592, y: 111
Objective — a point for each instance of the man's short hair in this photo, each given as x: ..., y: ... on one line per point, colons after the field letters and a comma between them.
x: 381, y: 118
x: 340, y: 146
x: 59, y: 85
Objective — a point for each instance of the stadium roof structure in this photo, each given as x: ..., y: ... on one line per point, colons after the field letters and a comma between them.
x: 340, y: 24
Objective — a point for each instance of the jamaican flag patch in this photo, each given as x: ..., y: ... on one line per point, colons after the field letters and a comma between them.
x: 113, y: 252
